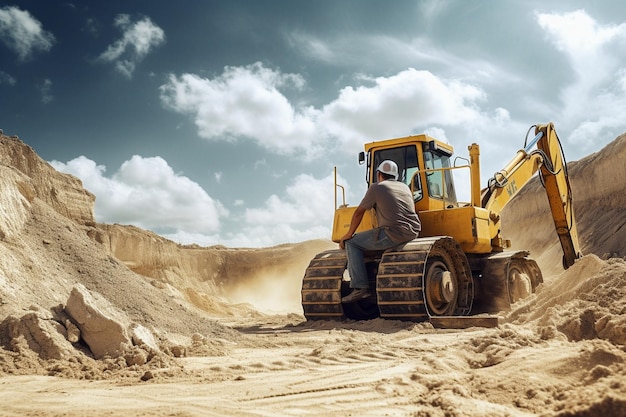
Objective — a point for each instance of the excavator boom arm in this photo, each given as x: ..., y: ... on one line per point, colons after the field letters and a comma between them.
x: 548, y: 158
x: 556, y: 181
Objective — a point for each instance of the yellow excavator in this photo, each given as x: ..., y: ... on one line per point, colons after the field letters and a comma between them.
x: 459, y: 265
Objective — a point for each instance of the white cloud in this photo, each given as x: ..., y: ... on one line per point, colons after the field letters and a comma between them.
x: 621, y: 80
x: 595, y: 51
x: 22, y: 33
x: 303, y: 212
x: 381, y: 53
x: 146, y: 192
x: 138, y: 39
x: 311, y: 46
x: 90, y: 27
x: 436, y: 132
x: 577, y: 34
x: 45, y: 89
x: 307, y: 199
x: 397, y: 105
x: 408, y: 102
x: 596, y: 55
x: 7, y: 78
x: 245, y: 102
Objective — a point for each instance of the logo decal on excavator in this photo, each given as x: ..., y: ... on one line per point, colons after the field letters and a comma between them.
x: 511, y: 189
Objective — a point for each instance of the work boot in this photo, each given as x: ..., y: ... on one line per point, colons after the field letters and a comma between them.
x: 356, y: 295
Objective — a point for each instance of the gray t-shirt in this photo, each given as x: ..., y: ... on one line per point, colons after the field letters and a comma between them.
x: 394, y: 209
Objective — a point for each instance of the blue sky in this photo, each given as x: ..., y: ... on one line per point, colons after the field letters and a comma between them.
x: 220, y: 122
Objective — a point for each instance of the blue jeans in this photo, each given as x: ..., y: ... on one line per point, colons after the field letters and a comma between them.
x: 369, y: 240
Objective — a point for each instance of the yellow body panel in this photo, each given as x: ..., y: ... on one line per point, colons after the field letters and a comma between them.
x: 343, y: 216
x: 469, y: 226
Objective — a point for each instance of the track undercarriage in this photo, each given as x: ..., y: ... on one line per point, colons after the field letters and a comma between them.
x: 421, y: 280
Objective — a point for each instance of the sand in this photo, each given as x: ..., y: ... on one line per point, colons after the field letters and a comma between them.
x: 233, y: 341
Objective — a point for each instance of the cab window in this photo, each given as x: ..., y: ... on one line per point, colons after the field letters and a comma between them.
x: 439, y: 181
x: 406, y: 159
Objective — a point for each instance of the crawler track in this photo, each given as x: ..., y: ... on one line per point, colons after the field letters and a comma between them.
x: 426, y: 277
x: 321, y: 286
x: 407, y: 288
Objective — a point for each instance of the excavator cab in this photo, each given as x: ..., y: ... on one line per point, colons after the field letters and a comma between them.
x: 435, y: 182
x: 424, y: 165
x: 434, y: 186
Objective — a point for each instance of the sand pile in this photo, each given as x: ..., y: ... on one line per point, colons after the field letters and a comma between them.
x: 587, y: 301
x: 219, y: 330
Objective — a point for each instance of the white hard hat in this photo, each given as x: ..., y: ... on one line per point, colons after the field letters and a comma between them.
x: 388, y: 167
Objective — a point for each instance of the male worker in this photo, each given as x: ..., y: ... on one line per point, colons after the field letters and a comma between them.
x: 398, y: 223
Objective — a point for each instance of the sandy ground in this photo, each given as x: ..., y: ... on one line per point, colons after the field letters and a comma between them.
x: 560, y: 352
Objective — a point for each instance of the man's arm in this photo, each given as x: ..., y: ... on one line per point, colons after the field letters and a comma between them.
x: 357, y: 216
